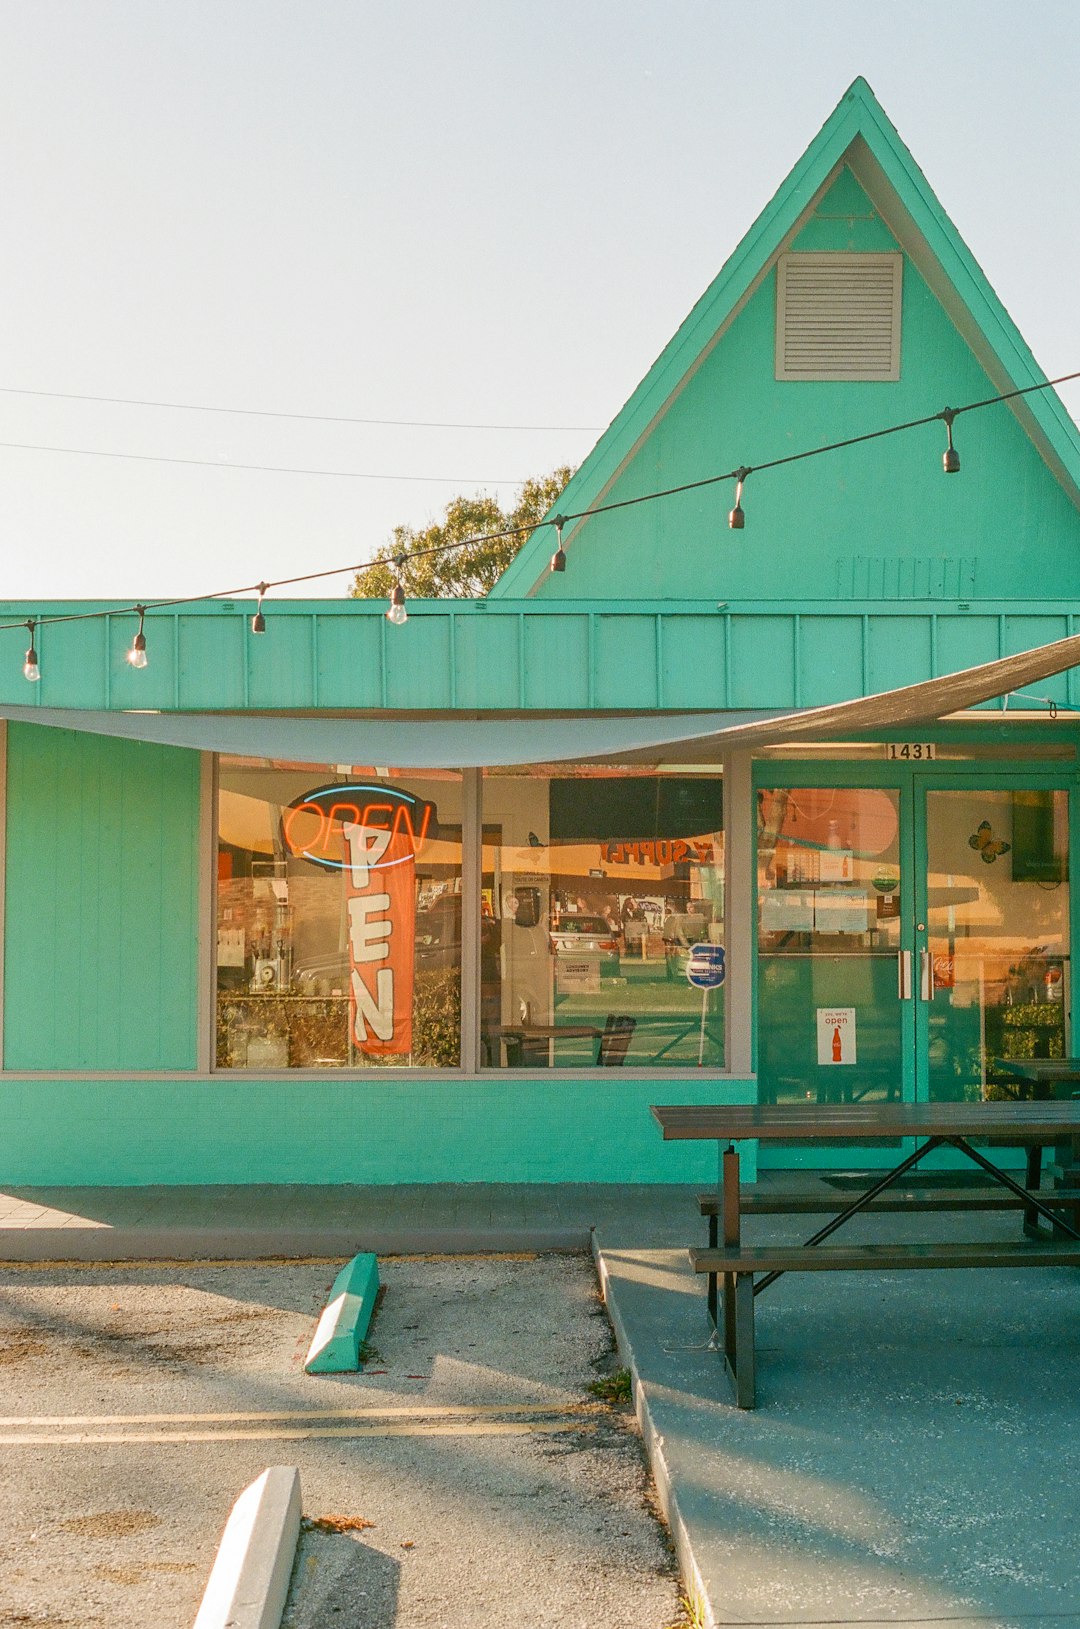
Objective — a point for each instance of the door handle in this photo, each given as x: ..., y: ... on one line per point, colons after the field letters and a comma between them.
x: 926, y: 975
x: 903, y: 974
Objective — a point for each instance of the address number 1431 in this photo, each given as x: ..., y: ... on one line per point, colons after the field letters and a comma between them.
x: 910, y: 751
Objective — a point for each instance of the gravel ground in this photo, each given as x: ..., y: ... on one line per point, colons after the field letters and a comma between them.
x: 480, y: 1483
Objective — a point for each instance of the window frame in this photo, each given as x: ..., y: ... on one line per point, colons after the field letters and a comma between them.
x: 469, y: 1065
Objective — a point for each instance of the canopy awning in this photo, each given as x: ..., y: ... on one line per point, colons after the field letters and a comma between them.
x: 454, y: 742
x: 913, y: 704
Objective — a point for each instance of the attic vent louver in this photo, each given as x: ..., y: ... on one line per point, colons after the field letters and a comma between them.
x: 838, y: 316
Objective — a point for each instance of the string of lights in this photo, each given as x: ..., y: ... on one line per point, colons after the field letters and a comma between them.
x: 397, y: 612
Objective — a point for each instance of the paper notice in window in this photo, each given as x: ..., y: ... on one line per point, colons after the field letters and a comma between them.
x: 578, y: 975
x: 787, y: 910
x: 836, y: 1035
x: 842, y: 910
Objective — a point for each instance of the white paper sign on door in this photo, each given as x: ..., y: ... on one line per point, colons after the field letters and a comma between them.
x: 835, y: 865
x: 836, y: 1035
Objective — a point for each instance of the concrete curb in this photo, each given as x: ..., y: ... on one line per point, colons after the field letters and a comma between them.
x: 689, y: 1572
x: 249, y: 1581
x: 48, y: 1244
x: 335, y: 1348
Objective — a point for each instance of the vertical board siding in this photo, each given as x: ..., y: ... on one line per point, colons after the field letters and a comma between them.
x: 348, y: 660
x: 487, y: 661
x: 280, y: 664
x: 79, y: 649
x: 556, y: 661
x: 899, y: 646
x: 830, y: 659
x: 694, y: 669
x: 763, y: 662
x: 640, y: 656
x: 211, y: 658
x: 624, y: 661
x: 101, y: 903
x: 418, y: 659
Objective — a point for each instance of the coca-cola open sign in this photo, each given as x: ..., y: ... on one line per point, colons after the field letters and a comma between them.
x: 373, y: 835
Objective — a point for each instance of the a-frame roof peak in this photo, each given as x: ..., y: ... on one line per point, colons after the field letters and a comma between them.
x: 858, y: 136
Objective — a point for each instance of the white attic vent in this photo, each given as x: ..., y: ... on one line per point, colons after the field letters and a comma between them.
x: 838, y: 316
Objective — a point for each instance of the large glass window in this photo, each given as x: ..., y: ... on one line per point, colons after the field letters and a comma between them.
x: 597, y: 884
x: 338, y: 916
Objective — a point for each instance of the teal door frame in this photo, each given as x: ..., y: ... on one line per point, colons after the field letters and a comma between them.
x: 1010, y: 777
x: 910, y: 781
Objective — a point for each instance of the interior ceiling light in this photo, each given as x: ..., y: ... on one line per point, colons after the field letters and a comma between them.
x: 31, y: 669
x: 137, y: 654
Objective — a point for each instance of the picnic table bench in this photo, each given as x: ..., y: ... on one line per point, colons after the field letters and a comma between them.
x: 734, y: 1264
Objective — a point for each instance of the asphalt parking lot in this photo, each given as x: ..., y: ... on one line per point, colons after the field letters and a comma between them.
x: 467, y: 1476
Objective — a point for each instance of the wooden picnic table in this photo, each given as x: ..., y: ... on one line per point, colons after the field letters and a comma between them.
x: 1041, y: 1122
x: 1043, y: 1074
x: 1031, y: 1125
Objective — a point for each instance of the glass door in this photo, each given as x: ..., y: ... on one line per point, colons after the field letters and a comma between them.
x: 834, y: 966
x: 992, y: 935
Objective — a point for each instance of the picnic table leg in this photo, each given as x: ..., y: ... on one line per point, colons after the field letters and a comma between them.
x: 745, y: 1392
x: 1033, y: 1180
x: 732, y: 1237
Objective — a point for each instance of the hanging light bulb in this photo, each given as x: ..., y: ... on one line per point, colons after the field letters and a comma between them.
x: 258, y: 621
x: 397, y: 613
x: 558, y: 559
x: 137, y: 654
x: 951, y: 458
x: 736, y: 519
x: 31, y: 669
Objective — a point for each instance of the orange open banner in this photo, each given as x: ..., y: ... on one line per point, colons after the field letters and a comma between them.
x: 380, y: 898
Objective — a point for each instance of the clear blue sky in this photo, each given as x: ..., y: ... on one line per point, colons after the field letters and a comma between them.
x: 483, y: 210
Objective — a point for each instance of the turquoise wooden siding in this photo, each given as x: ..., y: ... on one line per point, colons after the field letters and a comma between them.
x: 622, y: 655
x: 229, y: 1130
x: 878, y: 521
x: 100, y: 961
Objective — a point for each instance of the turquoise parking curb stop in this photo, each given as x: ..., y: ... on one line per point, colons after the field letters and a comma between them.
x: 335, y: 1348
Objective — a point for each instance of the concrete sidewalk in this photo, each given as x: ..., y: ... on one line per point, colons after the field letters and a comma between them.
x: 295, y: 1220
x: 914, y: 1457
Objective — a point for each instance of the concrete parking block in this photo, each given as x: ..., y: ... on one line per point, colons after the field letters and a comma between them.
x: 249, y: 1581
x: 335, y: 1348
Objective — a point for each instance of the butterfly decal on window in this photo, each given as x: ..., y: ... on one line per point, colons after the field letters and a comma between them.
x: 987, y: 845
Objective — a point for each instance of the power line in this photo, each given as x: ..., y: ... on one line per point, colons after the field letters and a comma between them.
x: 270, y: 469
x: 946, y: 416
x: 302, y: 418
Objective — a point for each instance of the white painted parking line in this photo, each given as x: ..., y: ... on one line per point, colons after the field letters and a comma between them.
x: 416, y: 1428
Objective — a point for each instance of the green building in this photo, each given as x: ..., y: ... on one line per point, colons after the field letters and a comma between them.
x: 351, y: 900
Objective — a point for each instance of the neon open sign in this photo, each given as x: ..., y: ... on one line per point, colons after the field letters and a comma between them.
x: 313, y: 826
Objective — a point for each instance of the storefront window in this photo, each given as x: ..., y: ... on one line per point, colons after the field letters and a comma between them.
x: 338, y: 916
x: 597, y: 884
